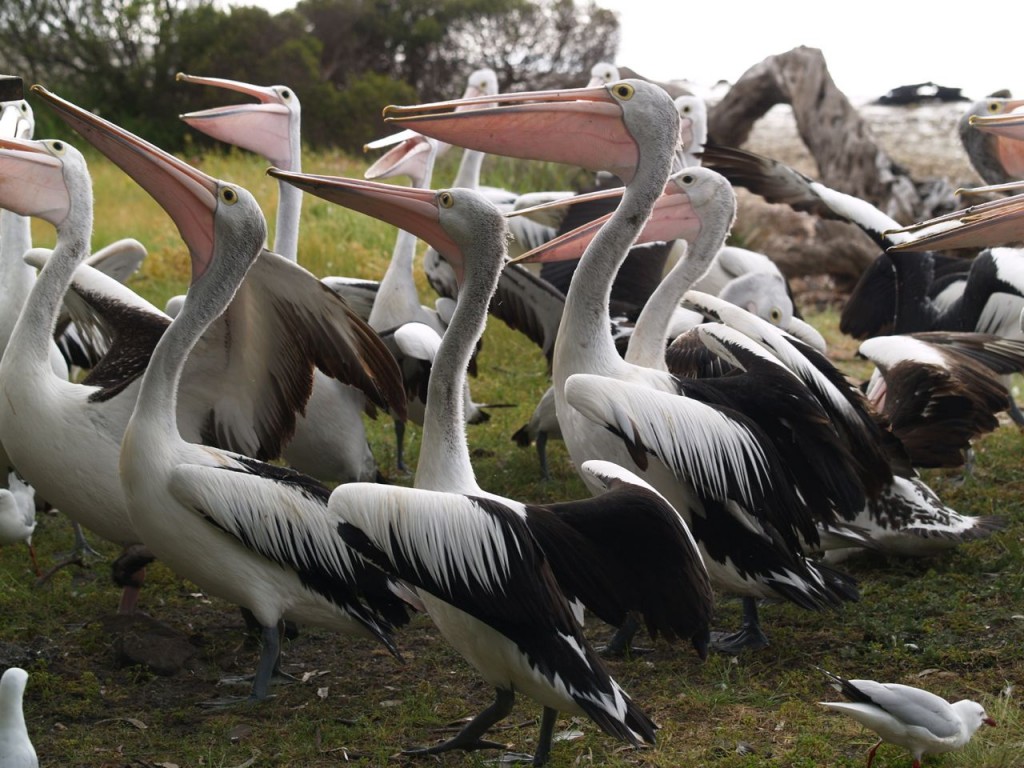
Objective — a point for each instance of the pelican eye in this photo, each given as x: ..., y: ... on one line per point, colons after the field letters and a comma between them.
x: 687, y: 109
x: 994, y: 107
x: 623, y: 91
x: 286, y: 94
x: 445, y: 199
x: 24, y: 106
x: 776, y: 315
x: 228, y: 195
x: 688, y: 179
x: 58, y: 147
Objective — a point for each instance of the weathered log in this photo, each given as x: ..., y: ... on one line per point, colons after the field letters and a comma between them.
x: 848, y: 158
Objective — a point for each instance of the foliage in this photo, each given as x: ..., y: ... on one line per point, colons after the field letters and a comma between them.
x: 345, y: 58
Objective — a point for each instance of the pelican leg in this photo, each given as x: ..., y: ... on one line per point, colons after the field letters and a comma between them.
x: 129, y: 573
x: 1015, y: 413
x: 547, y: 730
x: 748, y: 638
x: 400, y: 446
x: 79, y: 555
x: 542, y: 454
x: 82, y: 546
x: 621, y: 644
x: 469, y: 738
x: 269, y: 655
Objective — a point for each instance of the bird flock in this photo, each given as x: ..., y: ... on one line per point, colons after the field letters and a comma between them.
x: 724, y: 453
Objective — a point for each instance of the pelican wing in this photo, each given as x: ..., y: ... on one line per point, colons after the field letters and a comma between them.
x: 283, y: 516
x: 476, y: 554
x: 252, y: 371
x: 716, y: 451
x: 115, y: 327
x: 650, y: 562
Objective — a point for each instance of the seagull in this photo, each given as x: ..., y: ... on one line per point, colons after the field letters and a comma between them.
x: 913, y: 718
x: 16, y: 750
x: 18, y: 514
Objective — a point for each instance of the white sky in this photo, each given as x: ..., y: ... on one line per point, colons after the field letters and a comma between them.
x: 870, y: 46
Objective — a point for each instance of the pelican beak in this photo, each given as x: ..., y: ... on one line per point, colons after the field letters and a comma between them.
x: 992, y: 223
x: 1008, y: 122
x: 263, y: 128
x: 673, y: 218
x: 412, y: 158
x: 579, y: 126
x: 410, y: 208
x: 32, y: 181
x: 188, y: 195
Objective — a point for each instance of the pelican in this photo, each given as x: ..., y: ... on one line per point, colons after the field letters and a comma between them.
x: 398, y: 301
x: 940, y: 390
x: 611, y: 410
x: 249, y: 532
x: 78, y: 473
x: 902, y: 516
x: 517, y: 608
x: 996, y: 156
x: 330, y: 437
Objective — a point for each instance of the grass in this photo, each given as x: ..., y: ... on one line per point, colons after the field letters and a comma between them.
x: 952, y: 623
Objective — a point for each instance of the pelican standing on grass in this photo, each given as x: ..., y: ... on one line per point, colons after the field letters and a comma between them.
x: 711, y: 464
x: 489, y: 588
x: 330, y: 437
x: 248, y: 532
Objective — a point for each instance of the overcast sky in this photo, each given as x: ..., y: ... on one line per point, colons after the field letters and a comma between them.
x: 870, y: 46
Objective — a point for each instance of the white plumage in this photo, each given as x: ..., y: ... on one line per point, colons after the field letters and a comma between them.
x: 913, y: 718
x: 16, y: 750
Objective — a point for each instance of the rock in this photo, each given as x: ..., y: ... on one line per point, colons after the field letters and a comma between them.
x: 140, y: 640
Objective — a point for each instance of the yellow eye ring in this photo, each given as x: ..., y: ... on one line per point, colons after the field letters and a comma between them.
x: 623, y: 91
x: 58, y: 147
x: 228, y: 195
x: 445, y: 199
x: 994, y: 107
x: 776, y: 314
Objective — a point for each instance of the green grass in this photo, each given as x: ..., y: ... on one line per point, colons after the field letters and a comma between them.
x: 952, y: 623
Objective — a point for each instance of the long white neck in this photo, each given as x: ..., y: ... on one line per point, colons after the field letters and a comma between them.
x: 16, y: 277
x: 207, y: 298
x: 32, y: 336
x: 397, y: 288
x: 444, y: 462
x: 289, y: 202
x: 468, y: 174
x: 584, y: 342
x: 12, y: 715
x: 647, y: 343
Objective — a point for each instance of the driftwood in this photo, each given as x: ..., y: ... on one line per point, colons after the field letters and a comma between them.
x: 847, y: 156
